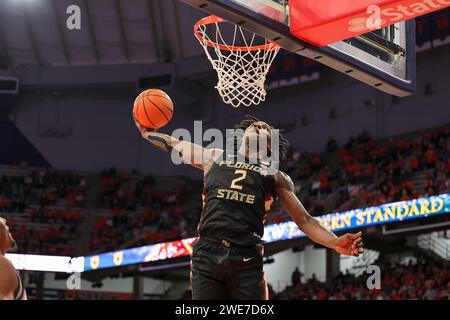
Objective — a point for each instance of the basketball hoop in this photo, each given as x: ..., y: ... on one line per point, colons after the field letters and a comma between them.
x: 242, y: 63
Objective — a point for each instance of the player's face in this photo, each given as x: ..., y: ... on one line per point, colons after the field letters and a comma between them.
x: 6, y: 239
x: 259, y: 131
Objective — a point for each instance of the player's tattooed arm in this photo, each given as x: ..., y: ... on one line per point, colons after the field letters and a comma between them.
x: 348, y: 244
x: 286, y: 193
x: 191, y: 153
x: 162, y: 141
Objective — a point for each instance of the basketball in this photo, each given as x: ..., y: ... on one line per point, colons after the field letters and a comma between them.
x: 153, y: 109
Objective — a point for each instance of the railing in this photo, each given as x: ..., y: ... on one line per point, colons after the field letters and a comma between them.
x: 435, y: 243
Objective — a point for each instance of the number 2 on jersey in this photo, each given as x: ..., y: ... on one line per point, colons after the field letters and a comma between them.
x: 242, y: 175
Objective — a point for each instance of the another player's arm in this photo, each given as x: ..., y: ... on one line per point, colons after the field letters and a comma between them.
x: 348, y: 244
x: 191, y: 153
x: 8, y: 279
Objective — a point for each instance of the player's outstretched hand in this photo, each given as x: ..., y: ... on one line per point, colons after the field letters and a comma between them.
x: 350, y: 244
x: 143, y: 130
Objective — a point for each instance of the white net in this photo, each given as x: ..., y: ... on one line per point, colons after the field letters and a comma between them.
x: 242, y: 63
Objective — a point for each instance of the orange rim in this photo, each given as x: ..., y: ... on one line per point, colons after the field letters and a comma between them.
x: 214, y: 19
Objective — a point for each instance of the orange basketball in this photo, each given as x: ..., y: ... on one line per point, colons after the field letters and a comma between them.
x: 153, y: 109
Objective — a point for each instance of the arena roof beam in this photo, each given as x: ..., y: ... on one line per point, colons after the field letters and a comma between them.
x: 91, y: 31
x: 123, y: 35
x: 177, y: 28
x: 3, y: 46
x: 167, y: 52
x: 151, y: 17
x: 34, y: 45
x: 60, y: 32
x: 4, y: 50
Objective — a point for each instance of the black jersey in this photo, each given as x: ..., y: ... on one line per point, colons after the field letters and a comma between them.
x: 237, y: 198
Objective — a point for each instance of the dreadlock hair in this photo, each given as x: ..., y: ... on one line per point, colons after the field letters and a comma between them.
x: 247, y: 122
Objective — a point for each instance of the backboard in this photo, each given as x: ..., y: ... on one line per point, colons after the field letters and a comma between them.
x: 384, y: 59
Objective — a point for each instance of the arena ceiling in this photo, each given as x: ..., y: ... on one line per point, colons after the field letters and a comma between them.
x: 34, y: 32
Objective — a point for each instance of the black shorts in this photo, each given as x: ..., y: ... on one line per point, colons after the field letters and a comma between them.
x: 223, y: 271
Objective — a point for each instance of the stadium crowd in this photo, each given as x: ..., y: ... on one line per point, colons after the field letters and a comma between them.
x: 129, y: 211
x: 138, y: 214
x: 43, y: 209
x: 356, y: 172
x: 422, y: 281
x: 366, y: 172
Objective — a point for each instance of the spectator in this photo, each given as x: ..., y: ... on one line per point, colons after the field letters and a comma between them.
x: 426, y: 280
x: 296, y: 276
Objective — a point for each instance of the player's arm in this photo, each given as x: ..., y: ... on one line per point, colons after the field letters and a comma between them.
x: 191, y: 153
x: 348, y: 244
x: 8, y: 279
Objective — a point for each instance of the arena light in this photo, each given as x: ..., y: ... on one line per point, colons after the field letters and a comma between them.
x: 46, y: 263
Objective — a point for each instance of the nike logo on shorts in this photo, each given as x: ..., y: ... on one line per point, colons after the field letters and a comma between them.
x: 248, y: 259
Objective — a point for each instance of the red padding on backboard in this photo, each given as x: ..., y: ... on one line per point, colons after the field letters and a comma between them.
x: 322, y: 22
